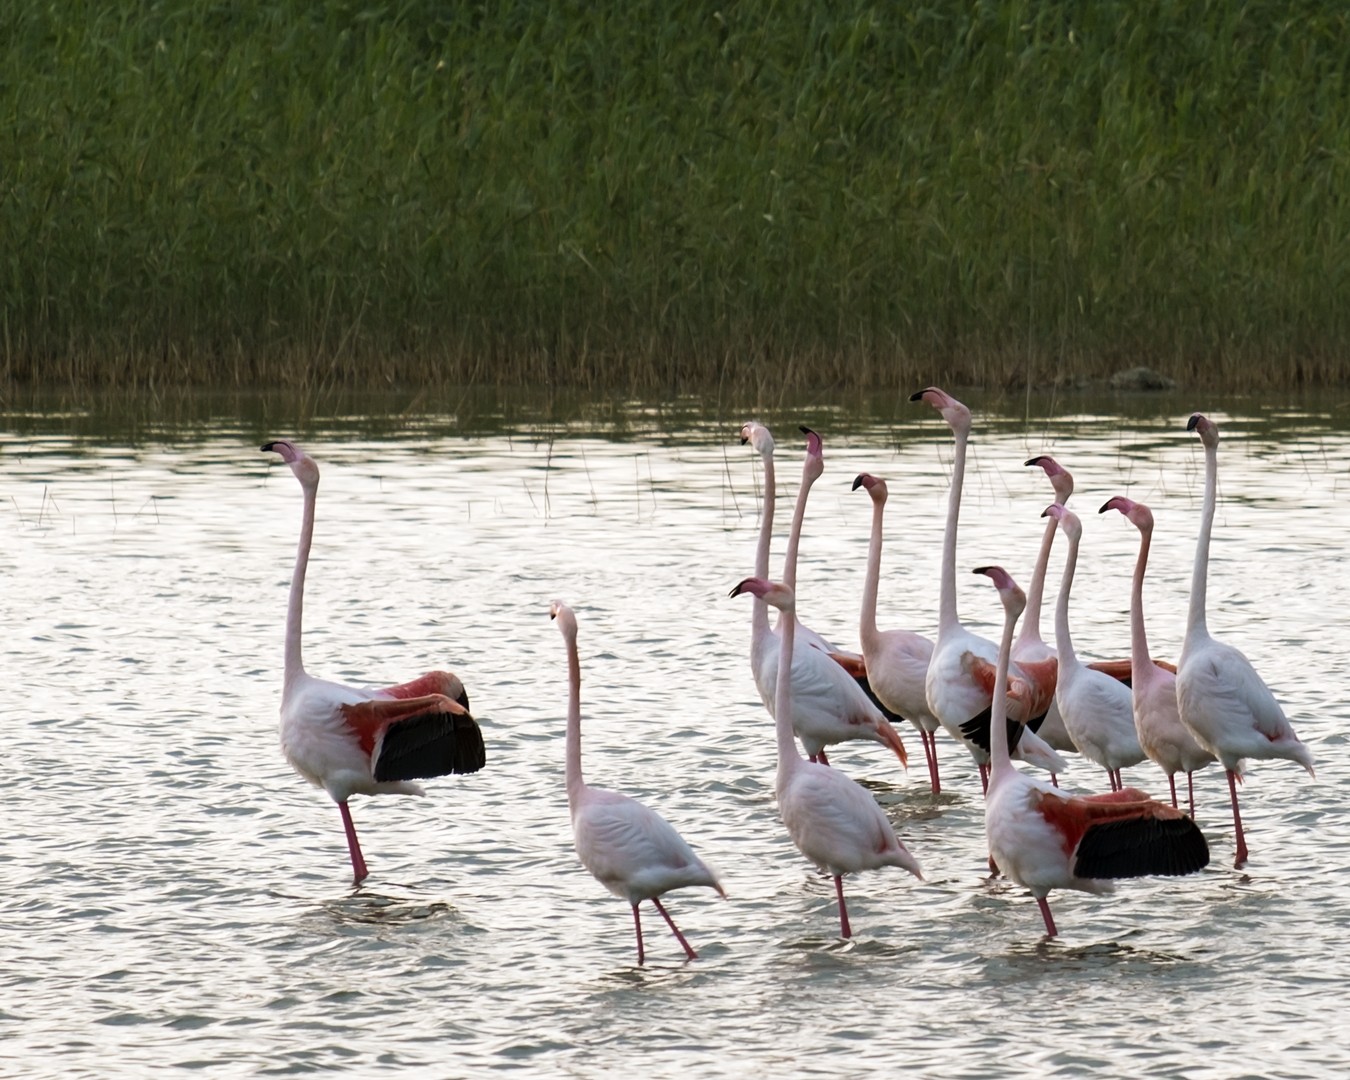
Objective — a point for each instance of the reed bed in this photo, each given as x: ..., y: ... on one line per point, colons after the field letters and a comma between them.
x: 646, y: 198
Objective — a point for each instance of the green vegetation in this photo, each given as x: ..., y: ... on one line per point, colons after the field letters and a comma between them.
x: 652, y: 197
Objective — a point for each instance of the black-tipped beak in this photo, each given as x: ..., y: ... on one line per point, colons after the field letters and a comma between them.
x: 266, y: 447
x: 736, y: 589
x: 745, y: 439
x: 1033, y: 461
x: 1106, y: 506
x: 980, y: 570
x: 1193, y: 422
x: 916, y: 396
x: 857, y: 482
x: 1045, y: 512
x: 807, y: 431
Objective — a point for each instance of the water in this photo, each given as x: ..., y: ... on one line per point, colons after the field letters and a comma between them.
x: 174, y: 897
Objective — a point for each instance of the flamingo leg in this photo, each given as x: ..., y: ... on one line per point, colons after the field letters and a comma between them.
x: 675, y: 929
x: 637, y: 925
x: 844, y: 929
x: 1172, y: 783
x: 1240, y: 860
x: 1050, y: 930
x: 359, y: 871
x: 1054, y: 780
x: 822, y: 758
x: 1190, y: 788
x: 984, y: 779
x: 930, y: 751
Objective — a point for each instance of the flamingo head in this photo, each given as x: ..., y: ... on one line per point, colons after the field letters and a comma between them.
x: 956, y: 414
x: 567, y: 622
x: 814, y: 464
x: 1139, y: 515
x: 875, y: 485
x: 772, y: 593
x: 1014, y: 599
x: 757, y: 435
x: 1060, y: 478
x: 1206, y: 428
x: 1069, y: 524
x: 305, y: 468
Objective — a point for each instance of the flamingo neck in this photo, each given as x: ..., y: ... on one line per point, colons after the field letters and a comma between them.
x: 295, y: 666
x: 867, y: 623
x: 999, y: 760
x: 794, y: 542
x: 947, y: 617
x: 1195, y: 621
x: 759, y: 610
x: 575, y: 784
x: 1031, y: 618
x: 1064, y: 643
x: 1140, y: 662
x: 788, y: 758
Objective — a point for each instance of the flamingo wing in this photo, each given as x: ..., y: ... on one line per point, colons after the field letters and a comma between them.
x: 412, y: 738
x: 1123, y: 834
x: 1123, y: 670
x: 433, y: 682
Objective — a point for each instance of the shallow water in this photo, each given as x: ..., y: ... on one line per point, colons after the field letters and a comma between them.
x: 175, y: 897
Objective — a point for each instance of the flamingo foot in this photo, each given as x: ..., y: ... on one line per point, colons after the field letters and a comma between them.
x: 688, y: 952
x: 359, y: 871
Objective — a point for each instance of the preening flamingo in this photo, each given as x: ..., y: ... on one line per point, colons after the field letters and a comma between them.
x: 960, y: 681
x: 632, y: 850
x: 1097, y: 709
x: 1222, y: 700
x: 828, y: 704
x: 352, y: 740
x: 833, y: 821
x: 897, y: 660
x: 1154, y: 689
x: 1043, y: 839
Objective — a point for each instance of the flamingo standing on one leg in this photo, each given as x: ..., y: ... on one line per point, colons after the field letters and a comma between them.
x: 1097, y: 709
x: 354, y: 741
x: 897, y: 660
x: 1044, y: 839
x: 828, y: 704
x: 1222, y: 700
x: 960, y: 681
x: 631, y: 849
x: 1156, y: 718
x: 833, y: 821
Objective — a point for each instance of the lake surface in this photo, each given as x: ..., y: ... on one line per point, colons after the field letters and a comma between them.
x: 174, y: 898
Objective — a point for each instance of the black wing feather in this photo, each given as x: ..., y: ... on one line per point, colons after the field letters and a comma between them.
x: 1136, y: 847
x: 976, y: 729
x: 431, y: 744
x: 891, y: 717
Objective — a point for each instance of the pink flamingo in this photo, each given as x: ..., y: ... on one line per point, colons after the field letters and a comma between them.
x: 631, y: 850
x: 960, y: 681
x: 1154, y: 689
x: 1043, y: 839
x: 896, y: 660
x: 355, y: 741
x: 833, y: 821
x: 1222, y: 700
x: 829, y: 706
x: 1097, y: 709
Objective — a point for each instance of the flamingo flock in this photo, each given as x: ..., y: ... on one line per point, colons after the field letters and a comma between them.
x: 1015, y: 700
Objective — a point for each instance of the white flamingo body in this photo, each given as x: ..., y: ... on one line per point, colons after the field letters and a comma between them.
x: 1222, y: 701
x: 629, y: 848
x: 832, y: 820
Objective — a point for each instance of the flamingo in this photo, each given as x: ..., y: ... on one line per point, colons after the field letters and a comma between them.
x: 1222, y: 700
x: 896, y: 660
x: 1043, y: 839
x: 1097, y: 709
x: 833, y: 821
x: 960, y: 680
x: 828, y: 704
x: 1154, y: 689
x: 352, y: 740
x: 631, y: 850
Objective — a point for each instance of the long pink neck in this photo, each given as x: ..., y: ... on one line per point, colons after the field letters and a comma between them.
x: 295, y: 666
x: 759, y: 610
x: 1195, y: 621
x: 867, y: 622
x: 788, y: 758
x: 947, y: 617
x: 575, y: 784
x: 795, y: 537
x: 1063, y: 643
x: 999, y: 761
x: 1031, y: 618
x: 1140, y: 662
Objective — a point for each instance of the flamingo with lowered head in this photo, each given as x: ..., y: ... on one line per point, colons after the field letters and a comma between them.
x: 1222, y: 700
x: 632, y: 850
x: 1154, y: 689
x: 833, y: 821
x: 828, y: 704
x: 1097, y: 709
x: 960, y: 680
x: 355, y: 741
x: 896, y: 660
x: 1044, y: 839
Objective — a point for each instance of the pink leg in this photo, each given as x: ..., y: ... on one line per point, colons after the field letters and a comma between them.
x: 359, y: 871
x: 675, y: 930
x: 984, y: 779
x: 1050, y: 930
x: 822, y: 758
x: 1172, y: 783
x: 1240, y: 860
x: 844, y: 929
x: 929, y: 739
x: 1190, y: 789
x: 1054, y: 780
x: 637, y: 925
